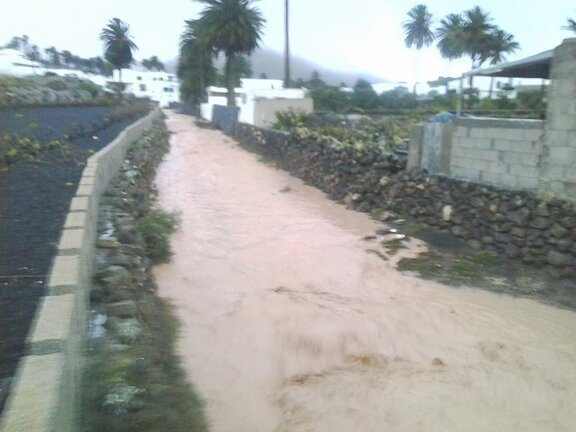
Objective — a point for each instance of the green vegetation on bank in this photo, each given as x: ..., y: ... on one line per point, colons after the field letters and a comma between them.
x: 51, y: 90
x: 133, y: 380
x: 156, y: 227
x: 387, y: 132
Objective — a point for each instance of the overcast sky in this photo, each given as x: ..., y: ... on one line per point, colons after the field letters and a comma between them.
x: 358, y: 35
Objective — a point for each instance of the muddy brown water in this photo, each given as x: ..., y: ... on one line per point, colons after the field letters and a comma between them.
x: 288, y: 324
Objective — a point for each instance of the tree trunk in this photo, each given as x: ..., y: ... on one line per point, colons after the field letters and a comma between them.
x: 491, y: 88
x: 230, y: 79
x: 471, y: 84
x: 287, y: 80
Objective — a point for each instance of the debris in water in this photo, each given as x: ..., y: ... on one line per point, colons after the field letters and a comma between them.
x: 438, y: 362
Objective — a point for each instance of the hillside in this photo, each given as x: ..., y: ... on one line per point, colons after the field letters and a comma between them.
x: 265, y: 60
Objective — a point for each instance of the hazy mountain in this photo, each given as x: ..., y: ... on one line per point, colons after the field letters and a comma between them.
x: 271, y: 63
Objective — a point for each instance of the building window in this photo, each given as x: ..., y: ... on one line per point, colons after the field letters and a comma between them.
x: 143, y: 87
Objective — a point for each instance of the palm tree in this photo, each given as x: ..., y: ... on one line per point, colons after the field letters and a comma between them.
x: 477, y: 28
x: 570, y: 25
x: 53, y: 55
x: 195, y: 63
x: 118, y: 44
x: 153, y: 63
x: 417, y: 30
x: 451, y: 37
x: 499, y: 44
x: 231, y: 27
x: 33, y: 53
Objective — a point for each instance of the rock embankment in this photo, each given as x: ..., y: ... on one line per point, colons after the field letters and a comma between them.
x: 352, y: 172
x: 133, y: 380
x: 539, y: 232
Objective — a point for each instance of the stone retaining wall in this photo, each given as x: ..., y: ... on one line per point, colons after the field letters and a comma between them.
x: 537, y: 231
x: 45, y: 393
x: 355, y: 172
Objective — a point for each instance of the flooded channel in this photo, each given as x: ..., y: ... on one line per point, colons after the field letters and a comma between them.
x: 290, y: 325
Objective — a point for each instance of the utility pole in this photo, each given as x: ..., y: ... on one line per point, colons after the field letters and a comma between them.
x: 287, y: 79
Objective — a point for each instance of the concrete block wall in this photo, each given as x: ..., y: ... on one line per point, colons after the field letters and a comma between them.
x: 559, y: 156
x: 45, y: 396
x: 532, y: 155
x: 499, y: 152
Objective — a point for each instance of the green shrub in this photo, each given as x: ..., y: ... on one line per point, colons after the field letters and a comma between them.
x: 57, y: 85
x: 156, y: 227
x: 288, y: 120
x: 88, y: 86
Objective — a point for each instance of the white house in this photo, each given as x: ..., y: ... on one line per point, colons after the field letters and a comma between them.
x: 259, y: 100
x: 162, y: 87
x: 14, y: 63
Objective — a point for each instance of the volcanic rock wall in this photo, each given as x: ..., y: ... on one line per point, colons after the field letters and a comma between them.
x: 537, y: 231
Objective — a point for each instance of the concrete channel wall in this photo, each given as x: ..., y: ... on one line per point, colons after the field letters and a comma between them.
x: 45, y: 395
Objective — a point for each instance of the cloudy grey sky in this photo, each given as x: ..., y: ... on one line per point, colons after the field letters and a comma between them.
x: 359, y: 35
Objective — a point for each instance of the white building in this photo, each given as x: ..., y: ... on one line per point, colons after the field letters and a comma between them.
x: 14, y: 63
x: 162, y: 87
x: 259, y: 100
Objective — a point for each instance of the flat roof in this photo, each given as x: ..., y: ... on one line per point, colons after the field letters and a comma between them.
x: 536, y: 66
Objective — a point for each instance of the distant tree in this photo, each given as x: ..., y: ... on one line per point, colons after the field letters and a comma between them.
x: 299, y: 83
x: 399, y: 98
x: 418, y: 29
x: 441, y: 81
x: 500, y: 43
x: 98, y: 65
x: 20, y: 43
x: 451, y: 37
x: 315, y: 81
x: 364, y: 96
x: 241, y: 68
x: 330, y: 98
x: 233, y: 28
x: 67, y: 57
x: 118, y: 44
x: 570, y: 25
x: 24, y: 43
x: 477, y: 30
x: 153, y: 63
x: 14, y: 43
x: 195, y: 64
x: 53, y: 56
x: 33, y: 53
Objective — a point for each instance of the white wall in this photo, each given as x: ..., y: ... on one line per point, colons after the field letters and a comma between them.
x: 14, y: 63
x: 161, y: 87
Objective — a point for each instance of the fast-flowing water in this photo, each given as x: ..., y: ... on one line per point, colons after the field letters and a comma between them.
x: 290, y: 325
